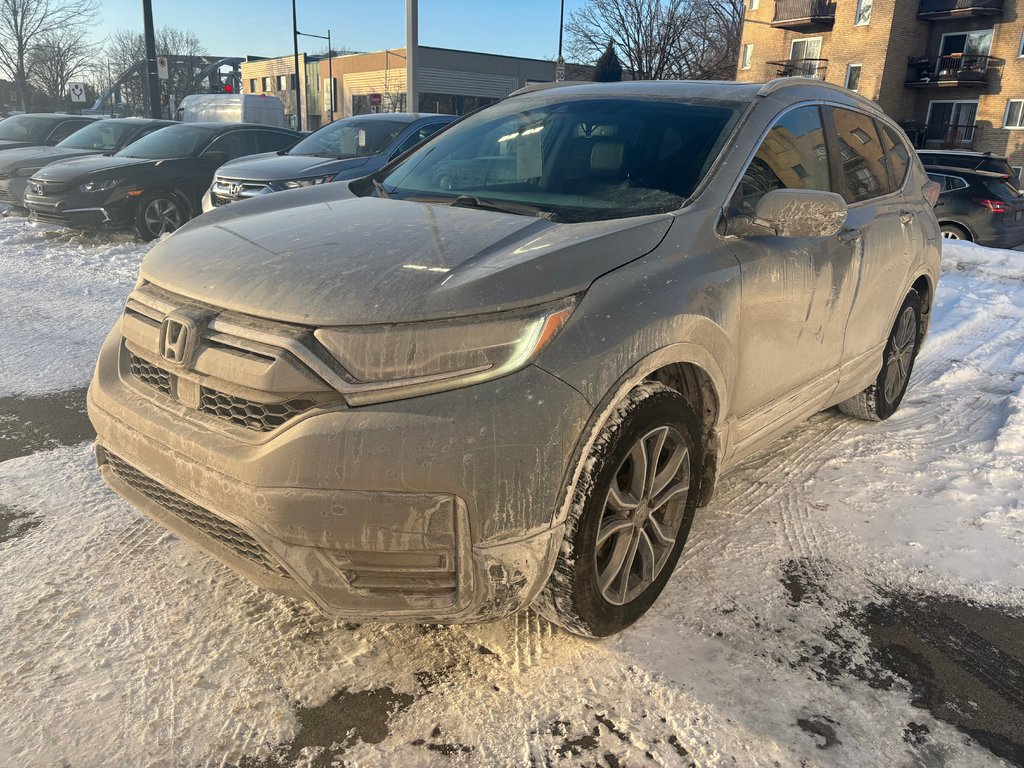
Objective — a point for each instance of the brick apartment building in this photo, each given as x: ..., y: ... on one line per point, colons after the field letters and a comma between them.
x: 951, y: 72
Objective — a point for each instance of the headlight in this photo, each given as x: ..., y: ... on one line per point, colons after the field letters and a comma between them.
x: 296, y: 183
x: 99, y: 186
x: 27, y: 171
x: 393, y: 362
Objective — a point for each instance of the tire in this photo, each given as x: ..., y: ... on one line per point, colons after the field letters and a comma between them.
x: 951, y: 231
x: 879, y: 401
x: 592, y: 590
x: 159, y: 213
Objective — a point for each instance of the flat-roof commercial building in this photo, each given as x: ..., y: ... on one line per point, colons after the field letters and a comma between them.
x: 950, y: 71
x: 450, y: 82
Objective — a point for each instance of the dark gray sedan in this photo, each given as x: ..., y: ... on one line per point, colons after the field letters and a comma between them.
x: 39, y: 130
x: 341, y: 151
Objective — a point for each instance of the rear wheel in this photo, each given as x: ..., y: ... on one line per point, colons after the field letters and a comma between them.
x: 881, y: 399
x: 951, y: 231
x: 158, y: 214
x: 630, y: 517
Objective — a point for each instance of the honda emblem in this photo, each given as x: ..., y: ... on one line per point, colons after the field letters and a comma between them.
x: 177, y: 340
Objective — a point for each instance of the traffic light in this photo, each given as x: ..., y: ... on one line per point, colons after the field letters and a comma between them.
x: 228, y: 88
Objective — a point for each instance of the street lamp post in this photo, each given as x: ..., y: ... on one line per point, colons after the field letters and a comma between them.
x: 295, y: 39
x: 560, y: 62
x: 330, y: 69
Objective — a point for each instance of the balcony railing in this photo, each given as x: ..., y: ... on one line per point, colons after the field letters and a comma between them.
x: 951, y: 9
x: 949, y: 136
x: 797, y: 68
x: 801, y: 14
x: 956, y: 69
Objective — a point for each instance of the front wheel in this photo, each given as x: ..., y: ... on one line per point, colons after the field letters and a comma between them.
x: 158, y: 214
x: 881, y: 399
x: 630, y: 517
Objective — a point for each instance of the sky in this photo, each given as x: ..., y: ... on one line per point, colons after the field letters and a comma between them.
x: 526, y: 28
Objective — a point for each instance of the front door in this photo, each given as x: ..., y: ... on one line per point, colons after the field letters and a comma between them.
x: 797, y: 291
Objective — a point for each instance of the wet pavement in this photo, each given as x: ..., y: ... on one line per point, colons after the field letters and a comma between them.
x: 32, y: 424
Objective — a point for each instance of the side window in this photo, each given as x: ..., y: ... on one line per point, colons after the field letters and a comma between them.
x: 863, y: 173
x: 792, y: 156
x: 64, y: 130
x: 236, y: 144
x: 896, y: 154
x: 273, y: 141
x: 414, y: 138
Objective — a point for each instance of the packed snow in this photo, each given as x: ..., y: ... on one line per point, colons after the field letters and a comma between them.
x: 125, y: 646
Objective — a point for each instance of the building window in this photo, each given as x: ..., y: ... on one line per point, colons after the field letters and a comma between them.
x: 748, y: 54
x: 267, y: 84
x: 863, y: 136
x: 252, y: 85
x: 853, y: 77
x: 863, y: 12
x: 754, y: 4
x: 1020, y: 49
x: 1014, y: 117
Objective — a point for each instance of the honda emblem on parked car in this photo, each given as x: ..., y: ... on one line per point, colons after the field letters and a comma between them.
x: 234, y: 189
x: 177, y: 339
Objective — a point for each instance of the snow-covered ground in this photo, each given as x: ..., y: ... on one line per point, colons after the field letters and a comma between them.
x: 124, y: 646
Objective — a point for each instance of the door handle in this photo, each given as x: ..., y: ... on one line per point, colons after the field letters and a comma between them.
x: 849, y: 235
x: 906, y: 217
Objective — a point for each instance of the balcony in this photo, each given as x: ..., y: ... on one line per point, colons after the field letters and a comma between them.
x: 815, y: 68
x: 936, y: 10
x: 955, y: 70
x: 807, y: 14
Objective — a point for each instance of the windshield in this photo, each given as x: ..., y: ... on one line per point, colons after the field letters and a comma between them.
x: 106, y: 136
x: 578, y: 159
x: 350, y: 138
x: 173, y: 141
x: 26, y: 128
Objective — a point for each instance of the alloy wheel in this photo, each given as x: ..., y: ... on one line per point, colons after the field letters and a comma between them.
x: 642, y: 515
x: 901, y: 355
x: 162, y: 216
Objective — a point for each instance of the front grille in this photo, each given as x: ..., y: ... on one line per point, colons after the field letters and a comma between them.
x: 259, y: 417
x: 150, y: 374
x: 6, y: 196
x: 218, y: 529
x: 49, y: 218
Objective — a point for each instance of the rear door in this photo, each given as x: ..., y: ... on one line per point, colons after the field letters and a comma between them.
x: 882, y: 224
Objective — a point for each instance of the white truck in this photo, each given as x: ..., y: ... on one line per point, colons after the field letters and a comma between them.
x: 232, y: 108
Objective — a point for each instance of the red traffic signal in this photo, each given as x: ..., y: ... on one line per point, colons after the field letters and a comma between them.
x: 228, y: 88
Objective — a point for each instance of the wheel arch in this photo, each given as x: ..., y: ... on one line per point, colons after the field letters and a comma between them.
x: 967, y: 228
x: 686, y: 367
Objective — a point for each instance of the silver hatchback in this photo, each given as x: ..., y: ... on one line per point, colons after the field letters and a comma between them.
x: 507, y: 368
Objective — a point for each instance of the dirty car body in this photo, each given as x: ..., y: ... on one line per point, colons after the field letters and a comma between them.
x: 405, y: 399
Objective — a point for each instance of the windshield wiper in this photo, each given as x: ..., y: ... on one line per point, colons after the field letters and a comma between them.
x: 472, y: 201
x: 381, y: 192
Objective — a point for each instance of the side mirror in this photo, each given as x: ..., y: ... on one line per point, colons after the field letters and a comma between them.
x: 216, y: 158
x: 801, y: 213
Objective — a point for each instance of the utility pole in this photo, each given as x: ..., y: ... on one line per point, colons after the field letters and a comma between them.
x: 412, y: 42
x: 560, y: 62
x: 154, y: 81
x: 298, y: 99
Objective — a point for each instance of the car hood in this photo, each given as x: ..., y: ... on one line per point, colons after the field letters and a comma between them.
x: 27, y: 157
x: 8, y: 144
x: 77, y: 167
x: 322, y: 260
x: 275, y: 167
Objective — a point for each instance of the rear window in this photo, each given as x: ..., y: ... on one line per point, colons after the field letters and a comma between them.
x: 970, y: 162
x: 1003, y: 189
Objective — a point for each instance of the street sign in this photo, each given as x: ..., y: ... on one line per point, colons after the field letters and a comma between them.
x: 161, y: 67
x: 76, y: 92
x: 375, y: 99
x: 559, y: 69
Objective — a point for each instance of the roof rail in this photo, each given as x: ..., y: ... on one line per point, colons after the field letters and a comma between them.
x: 534, y: 87
x: 779, y: 83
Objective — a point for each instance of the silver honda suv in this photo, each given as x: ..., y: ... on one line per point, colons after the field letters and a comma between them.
x: 506, y: 369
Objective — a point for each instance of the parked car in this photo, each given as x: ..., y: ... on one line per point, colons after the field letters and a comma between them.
x: 232, y: 108
x: 152, y: 186
x: 39, y: 130
x: 970, y: 161
x: 102, y: 137
x: 405, y: 401
x: 342, y: 150
x: 979, y: 206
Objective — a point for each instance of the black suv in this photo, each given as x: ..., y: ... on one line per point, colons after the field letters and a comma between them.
x: 968, y: 161
x: 981, y: 206
x: 154, y: 185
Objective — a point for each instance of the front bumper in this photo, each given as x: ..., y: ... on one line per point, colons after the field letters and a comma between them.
x: 435, y: 509
x: 81, y: 210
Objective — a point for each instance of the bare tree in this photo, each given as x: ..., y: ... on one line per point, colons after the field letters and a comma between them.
x: 660, y: 39
x: 57, y: 58
x: 126, y: 49
x: 24, y: 23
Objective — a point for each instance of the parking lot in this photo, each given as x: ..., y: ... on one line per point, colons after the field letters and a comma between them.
x: 852, y: 596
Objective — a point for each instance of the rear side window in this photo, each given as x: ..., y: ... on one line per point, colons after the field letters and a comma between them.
x: 273, y: 141
x: 862, y: 169
x: 65, y: 129
x: 793, y: 155
x: 896, y: 154
x: 236, y: 144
